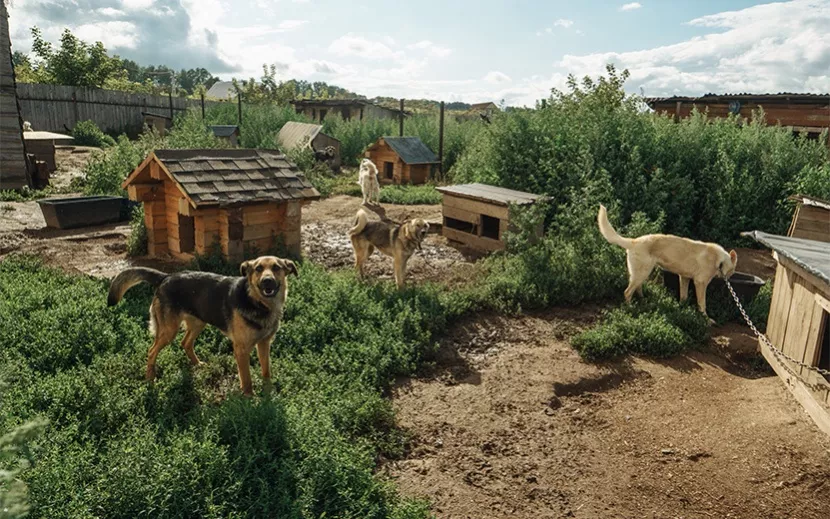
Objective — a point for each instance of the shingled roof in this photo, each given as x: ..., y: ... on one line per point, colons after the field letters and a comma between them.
x: 411, y: 150
x: 230, y: 176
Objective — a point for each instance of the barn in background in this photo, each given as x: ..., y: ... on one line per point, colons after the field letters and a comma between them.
x: 808, y: 113
x: 348, y: 109
x: 242, y: 199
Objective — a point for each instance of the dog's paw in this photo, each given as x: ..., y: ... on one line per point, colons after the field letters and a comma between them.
x: 712, y: 322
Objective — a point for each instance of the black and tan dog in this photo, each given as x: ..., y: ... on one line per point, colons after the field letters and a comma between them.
x: 399, y: 241
x: 247, y: 309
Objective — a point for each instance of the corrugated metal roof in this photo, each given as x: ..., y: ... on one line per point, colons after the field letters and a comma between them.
x: 230, y: 176
x: 483, y: 106
x: 813, y: 256
x: 221, y: 90
x: 492, y: 194
x: 46, y: 136
x: 294, y: 134
x: 411, y: 150
x: 781, y: 96
x: 224, y: 130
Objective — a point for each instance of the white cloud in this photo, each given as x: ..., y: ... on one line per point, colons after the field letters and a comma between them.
x: 113, y: 35
x: 495, y: 77
x: 110, y: 12
x: 548, y: 30
x: 288, y: 25
x: 562, y: 22
x: 774, y: 47
x: 431, y: 48
x: 631, y: 6
x: 352, y: 45
x: 136, y: 4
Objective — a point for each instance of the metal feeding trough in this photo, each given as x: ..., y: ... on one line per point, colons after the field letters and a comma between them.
x: 83, y: 211
x: 745, y: 285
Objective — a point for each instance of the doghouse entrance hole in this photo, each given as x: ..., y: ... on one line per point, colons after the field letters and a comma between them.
x: 490, y: 227
x: 389, y: 169
x: 187, y: 233
x: 824, y: 354
x: 460, y: 225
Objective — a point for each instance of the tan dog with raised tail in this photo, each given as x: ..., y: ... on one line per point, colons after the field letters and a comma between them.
x: 691, y: 260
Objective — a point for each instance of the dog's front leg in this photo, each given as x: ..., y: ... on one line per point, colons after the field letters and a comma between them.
x: 242, y: 354
x: 400, y: 271
x: 263, y: 350
x: 700, y: 291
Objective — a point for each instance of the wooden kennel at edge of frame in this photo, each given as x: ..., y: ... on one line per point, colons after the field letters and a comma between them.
x: 477, y: 215
x: 244, y: 199
x: 799, y: 320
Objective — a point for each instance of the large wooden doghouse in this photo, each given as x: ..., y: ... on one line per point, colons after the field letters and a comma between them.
x: 402, y: 160
x: 811, y: 219
x: 42, y: 146
x: 477, y: 215
x: 304, y: 135
x: 799, y: 320
x: 241, y: 198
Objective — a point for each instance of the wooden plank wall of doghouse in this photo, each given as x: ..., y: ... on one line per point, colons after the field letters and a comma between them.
x: 155, y: 214
x: 811, y: 223
x: 258, y: 227
x: 471, y: 211
x: 797, y: 320
x: 383, y: 154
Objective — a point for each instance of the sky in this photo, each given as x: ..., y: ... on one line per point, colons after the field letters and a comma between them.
x: 453, y: 50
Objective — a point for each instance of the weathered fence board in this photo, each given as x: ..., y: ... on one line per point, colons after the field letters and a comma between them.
x: 58, y: 108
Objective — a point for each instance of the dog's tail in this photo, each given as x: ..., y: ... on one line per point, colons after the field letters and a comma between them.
x: 359, y: 223
x: 129, y: 278
x: 608, y: 232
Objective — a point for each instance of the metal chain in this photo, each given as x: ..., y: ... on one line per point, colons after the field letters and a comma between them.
x: 775, y: 351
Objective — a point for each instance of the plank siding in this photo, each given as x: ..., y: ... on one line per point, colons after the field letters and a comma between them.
x: 13, y: 165
x: 55, y: 108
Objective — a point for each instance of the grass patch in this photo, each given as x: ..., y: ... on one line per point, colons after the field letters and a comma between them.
x: 410, y: 195
x: 656, y: 325
x: 184, y: 447
x: 27, y: 194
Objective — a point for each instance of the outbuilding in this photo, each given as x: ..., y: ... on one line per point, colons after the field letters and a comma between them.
x: 295, y: 135
x: 245, y: 200
x: 798, y: 326
x: 811, y: 219
x: 402, y: 160
x: 478, y: 215
x: 226, y: 132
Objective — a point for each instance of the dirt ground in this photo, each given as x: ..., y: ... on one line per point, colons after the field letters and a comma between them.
x: 509, y: 422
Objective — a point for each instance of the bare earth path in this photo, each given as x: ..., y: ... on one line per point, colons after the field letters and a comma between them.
x: 513, y: 424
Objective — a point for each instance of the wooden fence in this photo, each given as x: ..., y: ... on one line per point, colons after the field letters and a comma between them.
x: 58, y: 108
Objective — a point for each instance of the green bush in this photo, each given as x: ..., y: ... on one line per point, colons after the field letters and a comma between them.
x: 183, y: 447
x: 137, y: 242
x: 409, y: 195
x: 656, y: 325
x: 87, y: 133
x: 711, y: 178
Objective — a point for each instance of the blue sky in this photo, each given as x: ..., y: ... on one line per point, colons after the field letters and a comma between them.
x: 463, y: 50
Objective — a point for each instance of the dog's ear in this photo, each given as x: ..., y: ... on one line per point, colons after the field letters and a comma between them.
x: 733, y: 256
x: 290, y: 267
x: 245, y: 268
x: 407, y: 233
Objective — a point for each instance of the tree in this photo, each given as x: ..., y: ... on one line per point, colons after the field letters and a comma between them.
x: 189, y: 79
x: 75, y: 62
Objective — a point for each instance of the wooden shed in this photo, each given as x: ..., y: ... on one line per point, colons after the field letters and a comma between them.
x: 347, y: 109
x: 402, y: 160
x: 226, y: 132
x: 477, y: 215
x: 15, y: 169
x: 161, y: 123
x: 808, y: 113
x: 811, y: 219
x: 300, y: 135
x: 799, y: 320
x: 242, y: 198
x: 42, y: 146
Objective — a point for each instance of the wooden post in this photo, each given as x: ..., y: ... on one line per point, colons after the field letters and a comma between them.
x: 170, y: 98
x: 401, y: 118
x: 441, y: 141
x: 202, y: 96
x: 239, y: 109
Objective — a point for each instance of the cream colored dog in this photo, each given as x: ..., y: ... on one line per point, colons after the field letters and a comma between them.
x: 369, y: 183
x: 689, y: 259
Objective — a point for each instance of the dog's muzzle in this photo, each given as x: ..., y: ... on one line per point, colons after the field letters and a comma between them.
x: 269, y: 287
